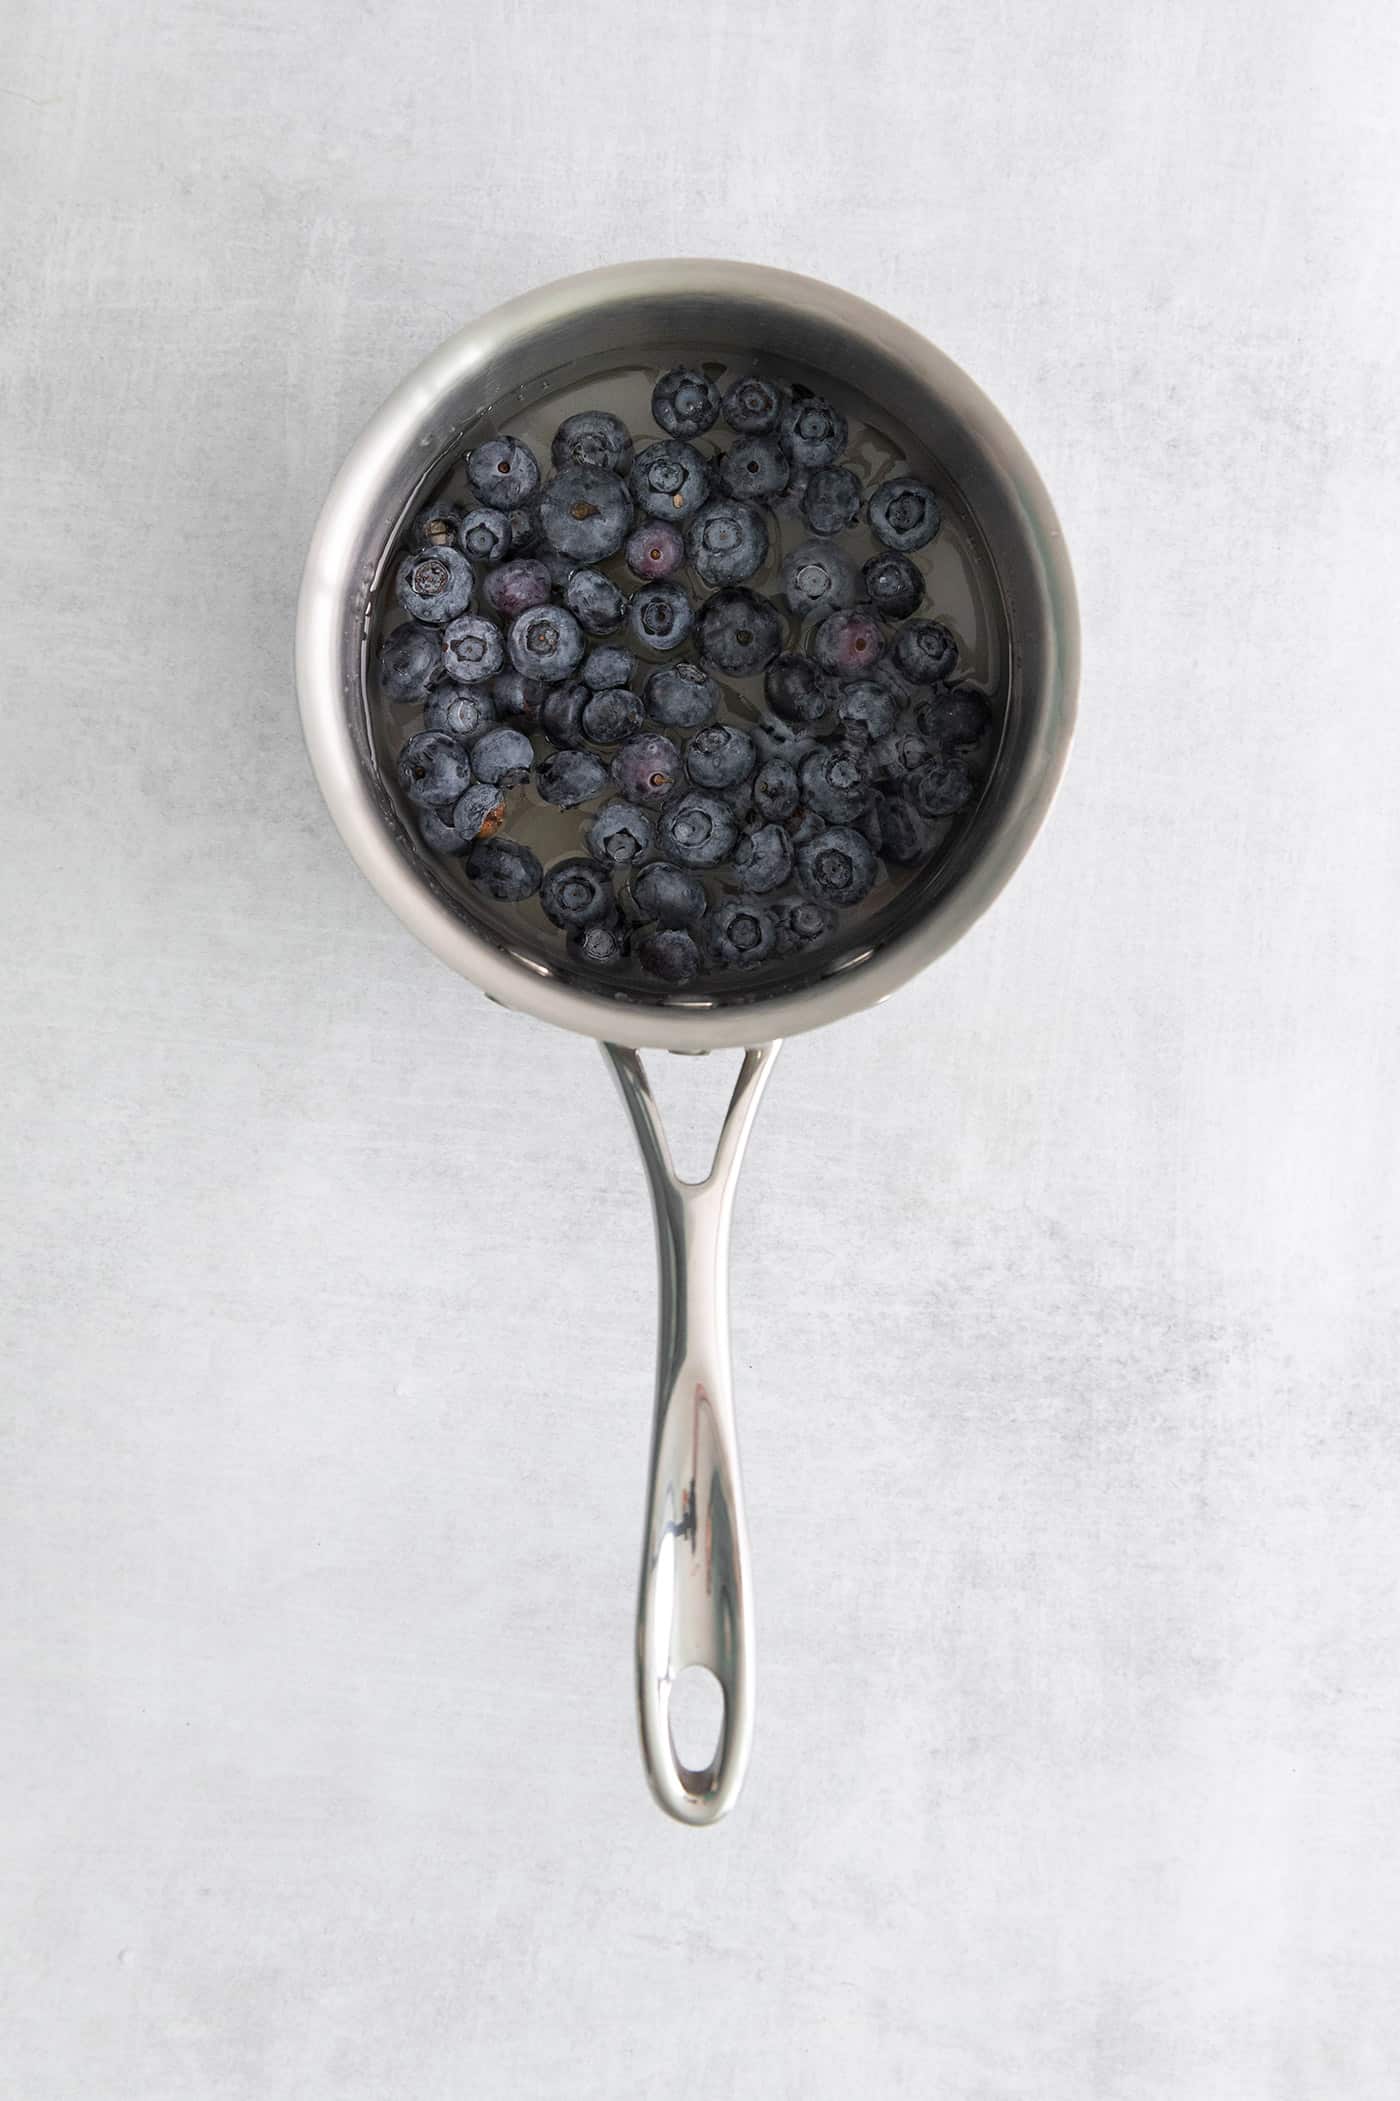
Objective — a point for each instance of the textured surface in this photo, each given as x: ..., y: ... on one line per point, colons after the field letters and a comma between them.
x: 1064, y: 1330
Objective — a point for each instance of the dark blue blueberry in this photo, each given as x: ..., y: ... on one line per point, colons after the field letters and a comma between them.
x: 479, y: 814
x: 671, y: 896
x: 902, y: 752
x: 434, y: 770
x: 742, y: 932
x: 835, y: 782
x: 818, y: 579
x: 941, y: 788
x: 567, y: 778
x: 849, y: 644
x: 955, y: 720
x: 647, y: 769
x: 659, y: 617
x: 620, y: 833
x: 459, y: 711
x: 831, y: 500
x: 595, y: 602
x: 609, y: 717
x: 485, y: 535
x: 654, y: 549
x: 504, y: 755
x: 438, y: 525
x: 727, y: 542
x: 752, y: 404
x: 669, y: 480
x: 925, y: 652
x: 517, y: 698
x: 893, y: 584
x: 586, y: 512
x: 610, y: 666
x: 738, y: 633
x: 515, y: 586
x: 838, y: 867
x: 797, y: 689
x: 435, y: 585
x: 813, y: 432
x: 905, y: 831
x: 720, y: 757
x: 410, y: 661
x: 868, y: 711
x: 603, y: 944
x: 472, y: 649
x: 775, y: 790
x: 904, y: 514
x: 682, y: 696
x: 561, y: 716
x: 684, y: 403
x: 560, y: 567
x: 801, y: 922
x: 763, y: 858
x: 504, y: 473
x: 524, y: 523
x: 505, y: 870
x: 755, y: 469
x: 593, y: 438
x: 789, y: 503
x: 698, y: 830
x: 546, y: 643
x: 578, y: 893
x: 440, y: 834
x: 670, y: 954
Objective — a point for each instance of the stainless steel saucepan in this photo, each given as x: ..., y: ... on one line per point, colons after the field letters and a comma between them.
x: 695, y: 1605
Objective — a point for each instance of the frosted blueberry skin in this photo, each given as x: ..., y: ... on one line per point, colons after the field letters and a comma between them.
x: 505, y: 870
x: 818, y: 579
x: 893, y: 585
x: 660, y: 617
x: 835, y: 782
x: 435, y: 585
x: 904, y: 514
x: 755, y: 469
x: 837, y: 866
x: 776, y: 793
x: 647, y: 769
x: 669, y: 953
x: 480, y: 813
x: 720, y: 757
x: 462, y: 712
x: 831, y: 500
x: 763, y: 859
x: 941, y: 788
x: 620, y: 833
x: 410, y: 662
x: 515, y: 586
x: 561, y: 717
x: 681, y: 696
x: 727, y: 542
x: 849, y: 644
x: 593, y: 438
x: 567, y: 778
x: 578, y: 893
x: 655, y: 549
x: 896, y: 756
x: 738, y: 633
x: 796, y: 689
x: 472, y: 649
x: 741, y: 931
x: 485, y: 536
x: 905, y: 834
x: 604, y: 944
x: 609, y: 666
x: 595, y: 602
x: 672, y: 896
x: 504, y: 473
x: 802, y: 922
x: 517, y: 698
x: 546, y: 643
x: 684, y: 403
x: 586, y: 513
x: 925, y: 652
x: 434, y: 770
x: 669, y: 480
x: 698, y: 829
x: 813, y: 432
x: 752, y: 404
x: 503, y: 755
x: 866, y: 711
x: 957, y: 720
x: 610, y: 717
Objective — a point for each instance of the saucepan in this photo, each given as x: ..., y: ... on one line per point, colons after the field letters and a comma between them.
x: 695, y: 1605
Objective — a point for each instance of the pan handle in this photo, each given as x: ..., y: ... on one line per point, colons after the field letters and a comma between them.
x: 693, y: 1606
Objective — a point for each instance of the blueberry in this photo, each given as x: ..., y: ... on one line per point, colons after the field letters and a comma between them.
x: 524, y: 523
x: 741, y: 932
x: 895, y: 756
x: 459, y: 711
x: 956, y: 719
x: 925, y: 652
x: 805, y: 826
x: 620, y: 833
x: 868, y: 711
x: 720, y: 757
x: 802, y: 921
x: 567, y: 778
x: 756, y: 469
x: 612, y: 665
x: 738, y: 633
x: 849, y: 644
x: 434, y: 769
x: 659, y: 617
x: 517, y: 698
x: 609, y: 717
x: 684, y: 403
x: 472, y: 649
x: 505, y: 870
x: 558, y: 567
x: 905, y: 832
x: 670, y: 480
x: 646, y: 769
x: 838, y: 867
x: 670, y: 953
x: 485, y: 535
x: 595, y: 602
x: 672, y: 896
x: 546, y: 643
x: 903, y: 514
x: 503, y: 755
x: 776, y: 739
x: 681, y: 696
x: 813, y: 432
x: 797, y: 689
x: 593, y: 438
x: 561, y: 716
x: 941, y: 788
x: 577, y: 893
x: 893, y: 585
x: 869, y: 822
x: 831, y: 500
x: 440, y: 833
x: 410, y: 660
x: 438, y: 525
x: 435, y: 585
x: 752, y: 404
x: 818, y: 579
x: 603, y: 943
x: 775, y: 790
x: 654, y: 549
x: 727, y: 542
x: 480, y: 813
x: 504, y: 474
x: 586, y: 512
x: 698, y: 829
x: 516, y: 586
x: 763, y: 858
x: 835, y: 782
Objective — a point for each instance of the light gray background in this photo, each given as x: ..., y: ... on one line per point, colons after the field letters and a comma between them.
x: 1065, y: 1318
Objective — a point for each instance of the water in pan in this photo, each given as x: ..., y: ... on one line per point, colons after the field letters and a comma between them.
x: 961, y: 592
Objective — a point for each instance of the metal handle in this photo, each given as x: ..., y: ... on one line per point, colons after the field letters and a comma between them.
x: 693, y: 1605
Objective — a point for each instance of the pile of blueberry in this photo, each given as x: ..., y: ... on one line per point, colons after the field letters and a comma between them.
x: 714, y: 832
